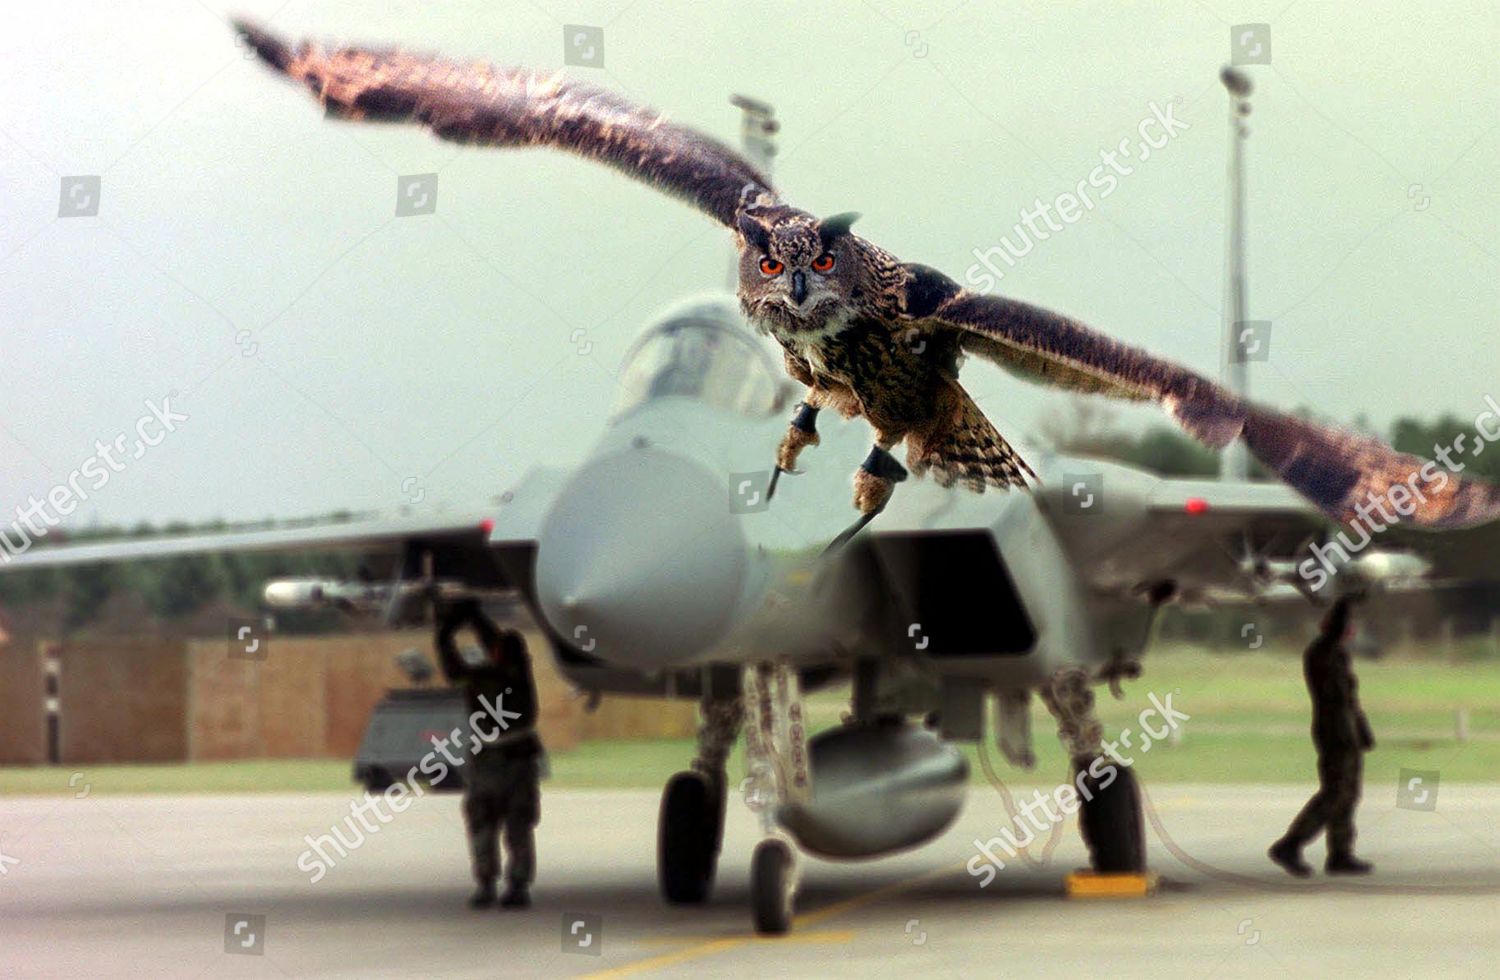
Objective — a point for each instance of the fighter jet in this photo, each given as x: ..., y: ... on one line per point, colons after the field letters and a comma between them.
x: 664, y: 566
x: 660, y: 567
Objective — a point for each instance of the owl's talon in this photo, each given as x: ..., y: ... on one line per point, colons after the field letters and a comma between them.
x: 800, y: 434
x: 876, y: 480
x: 849, y: 532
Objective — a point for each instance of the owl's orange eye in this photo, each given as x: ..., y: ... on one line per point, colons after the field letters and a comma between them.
x: 770, y: 266
x: 823, y: 262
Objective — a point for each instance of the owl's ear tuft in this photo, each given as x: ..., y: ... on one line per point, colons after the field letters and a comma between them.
x: 754, y: 233
x: 833, y: 228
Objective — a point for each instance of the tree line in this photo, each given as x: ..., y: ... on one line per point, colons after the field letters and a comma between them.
x: 175, y: 588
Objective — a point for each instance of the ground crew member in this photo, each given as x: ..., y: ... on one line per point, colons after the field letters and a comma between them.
x: 501, y: 774
x: 1342, y: 735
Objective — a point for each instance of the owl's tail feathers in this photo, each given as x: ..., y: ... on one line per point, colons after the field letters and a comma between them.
x: 1352, y: 477
x: 967, y: 449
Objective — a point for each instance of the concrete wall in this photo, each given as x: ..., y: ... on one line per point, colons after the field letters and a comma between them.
x: 142, y: 699
x: 620, y: 717
x: 123, y: 700
x: 239, y: 709
x: 311, y: 696
x: 357, y: 674
x: 23, y: 733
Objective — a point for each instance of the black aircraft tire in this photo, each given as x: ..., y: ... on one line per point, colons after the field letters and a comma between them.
x: 689, y: 830
x: 1111, y: 824
x: 770, y: 886
x: 377, y: 780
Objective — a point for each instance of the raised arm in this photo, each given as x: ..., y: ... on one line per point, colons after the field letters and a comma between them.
x: 450, y: 621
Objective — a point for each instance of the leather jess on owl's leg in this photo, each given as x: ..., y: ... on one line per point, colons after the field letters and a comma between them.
x: 803, y: 431
x: 877, y: 476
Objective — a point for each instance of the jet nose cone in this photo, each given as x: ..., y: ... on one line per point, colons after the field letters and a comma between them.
x: 640, y: 561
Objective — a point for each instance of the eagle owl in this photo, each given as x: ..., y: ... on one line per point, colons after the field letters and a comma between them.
x: 835, y: 304
x: 868, y: 334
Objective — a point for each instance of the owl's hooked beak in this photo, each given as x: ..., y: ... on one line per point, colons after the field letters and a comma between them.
x: 799, y: 287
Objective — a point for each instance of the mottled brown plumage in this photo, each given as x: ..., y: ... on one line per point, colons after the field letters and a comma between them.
x: 868, y: 334
x: 474, y: 102
x: 849, y: 340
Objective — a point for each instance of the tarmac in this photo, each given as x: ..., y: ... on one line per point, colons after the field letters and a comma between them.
x: 193, y: 886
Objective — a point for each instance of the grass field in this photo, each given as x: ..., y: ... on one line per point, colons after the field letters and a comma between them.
x: 1249, y: 724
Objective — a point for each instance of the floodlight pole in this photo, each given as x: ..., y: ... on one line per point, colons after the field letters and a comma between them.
x: 1234, y: 462
x: 758, y: 127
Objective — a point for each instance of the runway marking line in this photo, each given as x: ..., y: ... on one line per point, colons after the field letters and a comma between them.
x: 712, y: 946
x: 816, y: 936
x: 727, y: 943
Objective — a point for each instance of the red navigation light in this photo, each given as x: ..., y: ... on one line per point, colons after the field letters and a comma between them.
x: 487, y: 525
x: 1196, y: 505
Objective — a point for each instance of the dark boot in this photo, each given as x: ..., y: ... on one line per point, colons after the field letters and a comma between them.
x: 1347, y: 864
x: 1289, y: 857
x: 515, y: 897
x: 484, y: 895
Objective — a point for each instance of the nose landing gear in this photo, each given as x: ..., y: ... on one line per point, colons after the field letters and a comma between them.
x: 776, y: 754
x: 773, y: 886
x: 690, y: 830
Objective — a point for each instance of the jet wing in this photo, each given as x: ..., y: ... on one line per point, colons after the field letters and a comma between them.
x: 1192, y: 534
x: 383, y: 535
x: 512, y: 523
x: 1220, y: 541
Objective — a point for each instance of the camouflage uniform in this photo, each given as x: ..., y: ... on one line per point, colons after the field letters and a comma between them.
x: 1342, y: 735
x: 503, y: 797
x: 500, y: 790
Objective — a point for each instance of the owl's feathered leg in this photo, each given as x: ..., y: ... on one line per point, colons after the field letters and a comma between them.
x: 874, y: 482
x: 802, y: 432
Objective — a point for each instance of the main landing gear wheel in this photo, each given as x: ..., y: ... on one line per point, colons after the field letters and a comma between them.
x: 1112, y: 827
x: 772, y: 886
x: 689, y: 832
x: 377, y: 780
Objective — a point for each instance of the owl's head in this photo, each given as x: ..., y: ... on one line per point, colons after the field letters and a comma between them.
x: 796, y: 271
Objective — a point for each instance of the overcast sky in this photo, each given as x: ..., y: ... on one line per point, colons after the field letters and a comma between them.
x: 246, y: 254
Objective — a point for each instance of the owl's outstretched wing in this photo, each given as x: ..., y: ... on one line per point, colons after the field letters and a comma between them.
x: 472, y: 102
x: 1337, y: 470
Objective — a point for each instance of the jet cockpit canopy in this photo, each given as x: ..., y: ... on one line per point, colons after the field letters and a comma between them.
x: 703, y: 349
